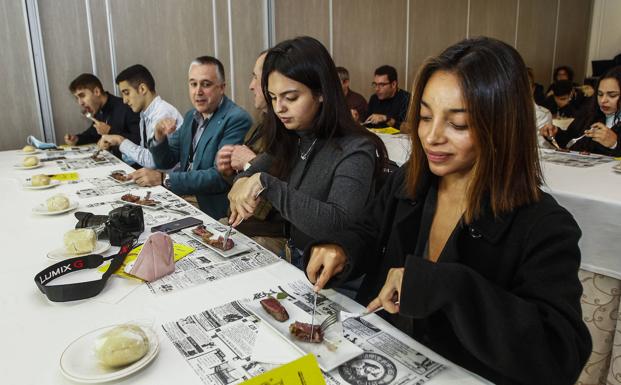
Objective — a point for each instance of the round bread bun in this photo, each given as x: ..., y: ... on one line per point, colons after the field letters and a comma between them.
x: 30, y: 161
x: 121, y: 346
x: 28, y: 148
x: 80, y: 241
x: 57, y: 203
x: 40, y: 180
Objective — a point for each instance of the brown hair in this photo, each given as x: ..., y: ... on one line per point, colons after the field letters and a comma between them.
x: 85, y: 81
x: 496, y: 90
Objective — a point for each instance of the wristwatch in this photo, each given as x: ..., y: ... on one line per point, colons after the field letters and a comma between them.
x: 247, y: 166
x: 166, y: 180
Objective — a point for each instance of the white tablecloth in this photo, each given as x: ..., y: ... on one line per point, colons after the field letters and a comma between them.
x: 36, y: 331
x: 591, y: 194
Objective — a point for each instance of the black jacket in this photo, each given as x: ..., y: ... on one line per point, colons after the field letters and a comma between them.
x: 122, y: 120
x: 503, y: 299
x: 583, y: 122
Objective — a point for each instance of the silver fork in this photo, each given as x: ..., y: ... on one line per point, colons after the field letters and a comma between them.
x: 574, y: 141
x: 329, y: 321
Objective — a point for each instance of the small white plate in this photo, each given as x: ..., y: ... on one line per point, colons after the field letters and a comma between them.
x: 28, y: 185
x: 20, y: 152
x: 617, y: 167
x: 333, y: 352
x: 61, y: 253
x: 121, y: 182
x: 41, y: 209
x: 237, y: 249
x: 20, y: 167
x: 79, y: 363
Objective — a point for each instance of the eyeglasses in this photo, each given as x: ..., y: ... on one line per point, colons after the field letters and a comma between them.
x: 375, y: 85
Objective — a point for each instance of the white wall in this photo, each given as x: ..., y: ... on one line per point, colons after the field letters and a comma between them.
x: 605, y: 42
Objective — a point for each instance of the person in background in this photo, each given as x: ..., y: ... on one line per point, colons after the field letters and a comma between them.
x: 137, y: 88
x: 600, y: 123
x: 319, y: 167
x: 543, y: 117
x: 564, y: 101
x: 265, y: 227
x: 356, y: 102
x: 214, y: 121
x: 107, y: 112
x: 561, y: 73
x: 538, y: 94
x: 462, y: 248
x: 389, y: 105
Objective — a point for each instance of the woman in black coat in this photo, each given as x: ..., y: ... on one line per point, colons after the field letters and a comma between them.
x: 461, y: 247
x: 600, y: 124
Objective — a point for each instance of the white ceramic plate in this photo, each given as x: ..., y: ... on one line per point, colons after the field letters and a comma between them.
x: 41, y: 209
x: 20, y: 152
x: 237, y: 249
x: 79, y: 363
x: 28, y: 185
x: 20, y: 167
x: 333, y: 352
x: 617, y: 167
x: 121, y: 182
x: 61, y: 253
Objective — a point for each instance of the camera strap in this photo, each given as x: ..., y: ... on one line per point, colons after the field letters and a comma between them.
x: 80, y: 290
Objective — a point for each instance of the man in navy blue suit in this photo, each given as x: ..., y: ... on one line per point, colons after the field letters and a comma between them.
x: 214, y: 122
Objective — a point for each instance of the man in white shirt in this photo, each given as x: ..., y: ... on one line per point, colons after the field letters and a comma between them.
x: 137, y: 87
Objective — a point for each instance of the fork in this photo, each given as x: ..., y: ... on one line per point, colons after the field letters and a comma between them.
x: 329, y: 321
x: 574, y: 141
x: 552, y: 140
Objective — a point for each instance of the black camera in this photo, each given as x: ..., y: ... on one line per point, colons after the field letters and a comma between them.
x: 120, y: 225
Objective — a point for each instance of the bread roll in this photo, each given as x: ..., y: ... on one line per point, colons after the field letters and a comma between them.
x: 80, y: 241
x: 57, y: 203
x: 123, y: 345
x: 28, y: 148
x: 30, y: 161
x: 40, y: 180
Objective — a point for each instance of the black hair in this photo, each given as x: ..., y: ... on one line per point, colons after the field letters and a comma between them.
x: 210, y: 60
x: 387, y: 70
x: 136, y: 75
x: 88, y: 81
x: 343, y: 73
x: 305, y: 60
x: 562, y: 87
x: 570, y: 72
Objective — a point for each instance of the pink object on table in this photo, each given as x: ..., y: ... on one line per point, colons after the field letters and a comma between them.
x: 156, y: 259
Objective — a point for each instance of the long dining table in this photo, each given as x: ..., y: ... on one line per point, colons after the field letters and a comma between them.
x: 39, y: 337
x: 593, y: 196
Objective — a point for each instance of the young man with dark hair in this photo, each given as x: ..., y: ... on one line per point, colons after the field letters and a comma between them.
x: 214, y: 121
x: 389, y: 105
x: 356, y: 102
x: 564, y: 101
x: 137, y: 87
x: 108, y: 113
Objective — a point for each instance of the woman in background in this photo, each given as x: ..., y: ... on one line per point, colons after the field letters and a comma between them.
x: 320, y: 166
x: 462, y: 247
x: 600, y: 125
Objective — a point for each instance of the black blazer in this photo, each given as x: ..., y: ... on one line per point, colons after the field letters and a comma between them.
x: 583, y: 122
x: 503, y: 299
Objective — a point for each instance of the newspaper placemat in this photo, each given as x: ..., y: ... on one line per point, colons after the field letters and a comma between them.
x: 218, y: 343
x: 205, y: 265
x: 574, y: 159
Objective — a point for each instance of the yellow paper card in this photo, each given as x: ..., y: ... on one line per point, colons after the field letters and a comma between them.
x: 179, y: 250
x: 385, y: 130
x: 303, y: 371
x: 65, y: 176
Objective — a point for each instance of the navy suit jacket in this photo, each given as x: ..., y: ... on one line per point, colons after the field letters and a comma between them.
x: 228, y: 125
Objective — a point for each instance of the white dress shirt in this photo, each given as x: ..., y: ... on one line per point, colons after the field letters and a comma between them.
x: 156, y: 111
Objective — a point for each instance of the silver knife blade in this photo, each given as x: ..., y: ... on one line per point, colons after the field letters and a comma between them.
x: 227, y: 235
x: 310, y: 337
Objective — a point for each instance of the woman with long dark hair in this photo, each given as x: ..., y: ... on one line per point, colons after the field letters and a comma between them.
x: 462, y: 247
x: 320, y: 166
x: 600, y: 125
